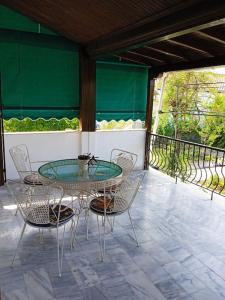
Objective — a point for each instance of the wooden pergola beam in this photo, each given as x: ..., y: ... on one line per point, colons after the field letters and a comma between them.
x: 137, y: 59
x: 172, y: 49
x: 204, y: 46
x: 211, y: 38
x: 146, y: 53
x: 2, y: 146
x: 167, y: 53
x: 186, y: 45
x: 149, y: 114
x: 87, y: 92
x: 164, y: 58
x: 185, y: 18
x: 202, y: 63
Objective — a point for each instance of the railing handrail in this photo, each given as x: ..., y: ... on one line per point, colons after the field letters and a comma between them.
x: 195, y: 163
x: 188, y: 143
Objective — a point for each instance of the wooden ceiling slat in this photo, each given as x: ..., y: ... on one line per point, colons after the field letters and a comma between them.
x: 217, y: 31
x: 163, y: 34
x: 201, y: 63
x: 156, y: 55
x: 141, y: 52
x: 179, y: 50
x: 185, y: 44
x: 168, y: 51
x: 211, y: 38
x: 203, y: 42
x: 84, y: 21
x: 199, y: 15
x: 129, y: 60
x: 138, y: 59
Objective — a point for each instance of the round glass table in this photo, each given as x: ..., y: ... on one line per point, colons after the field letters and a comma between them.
x: 69, y: 172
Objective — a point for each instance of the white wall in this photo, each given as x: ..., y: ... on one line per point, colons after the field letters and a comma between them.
x: 102, y: 142
x: 46, y: 146
x: 42, y: 146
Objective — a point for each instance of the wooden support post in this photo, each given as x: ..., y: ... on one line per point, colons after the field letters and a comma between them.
x: 2, y: 150
x: 87, y: 92
x: 149, y: 111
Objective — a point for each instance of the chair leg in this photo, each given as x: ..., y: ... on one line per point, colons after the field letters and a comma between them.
x: 17, y: 247
x: 16, y: 211
x: 64, y: 227
x: 135, y: 236
x: 58, y: 252
x: 104, y: 237
x: 100, y: 241
x: 41, y: 236
x: 87, y: 222
x: 73, y: 233
x: 113, y: 222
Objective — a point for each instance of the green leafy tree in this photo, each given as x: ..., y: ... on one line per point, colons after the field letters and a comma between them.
x: 27, y: 124
x: 183, y: 97
x: 213, y: 131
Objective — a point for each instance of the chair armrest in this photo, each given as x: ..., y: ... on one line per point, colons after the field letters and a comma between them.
x: 40, y: 161
x: 36, y: 164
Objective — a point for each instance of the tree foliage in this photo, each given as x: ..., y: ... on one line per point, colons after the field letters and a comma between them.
x: 183, y: 99
x: 27, y: 124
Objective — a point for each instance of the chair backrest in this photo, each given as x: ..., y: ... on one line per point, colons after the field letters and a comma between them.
x: 21, y: 159
x: 125, y: 193
x: 37, y: 203
x: 126, y: 160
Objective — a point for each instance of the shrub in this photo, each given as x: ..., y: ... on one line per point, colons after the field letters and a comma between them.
x: 27, y: 124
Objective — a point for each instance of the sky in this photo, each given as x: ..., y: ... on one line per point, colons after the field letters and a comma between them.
x: 217, y: 70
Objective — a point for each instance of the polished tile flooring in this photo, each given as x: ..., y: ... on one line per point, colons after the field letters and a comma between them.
x: 181, y: 254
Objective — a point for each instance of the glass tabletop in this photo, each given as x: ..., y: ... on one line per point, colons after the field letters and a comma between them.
x: 70, y: 171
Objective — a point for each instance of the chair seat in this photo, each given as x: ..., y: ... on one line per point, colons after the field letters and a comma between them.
x: 66, y: 215
x: 102, y: 204
x: 32, y: 179
x: 108, y: 190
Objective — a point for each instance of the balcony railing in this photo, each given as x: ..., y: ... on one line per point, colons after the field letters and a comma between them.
x: 195, y: 163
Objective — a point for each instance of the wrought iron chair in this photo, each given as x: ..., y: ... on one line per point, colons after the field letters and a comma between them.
x: 86, y: 191
x: 23, y: 165
x: 41, y: 207
x: 126, y: 160
x: 114, y: 204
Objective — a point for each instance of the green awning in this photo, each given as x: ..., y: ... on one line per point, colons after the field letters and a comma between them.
x: 59, y: 113
x: 39, y: 72
x: 40, y: 76
x: 121, y: 91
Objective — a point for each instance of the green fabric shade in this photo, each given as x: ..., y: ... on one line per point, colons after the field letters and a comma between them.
x: 46, y: 114
x: 121, y: 91
x: 39, y: 72
x: 40, y: 76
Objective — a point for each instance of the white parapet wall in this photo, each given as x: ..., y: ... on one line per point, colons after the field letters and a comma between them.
x: 48, y: 146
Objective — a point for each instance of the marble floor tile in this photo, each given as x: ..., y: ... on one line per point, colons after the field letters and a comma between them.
x: 171, y: 290
x: 15, y: 294
x: 38, y: 283
x: 181, y: 254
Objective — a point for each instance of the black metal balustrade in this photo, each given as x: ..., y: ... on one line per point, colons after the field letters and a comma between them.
x: 199, y: 164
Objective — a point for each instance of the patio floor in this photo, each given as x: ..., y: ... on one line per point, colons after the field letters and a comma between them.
x: 181, y: 255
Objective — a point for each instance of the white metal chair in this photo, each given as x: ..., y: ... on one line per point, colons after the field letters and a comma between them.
x: 85, y: 192
x: 41, y: 207
x: 126, y: 160
x: 114, y: 204
x: 23, y: 165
